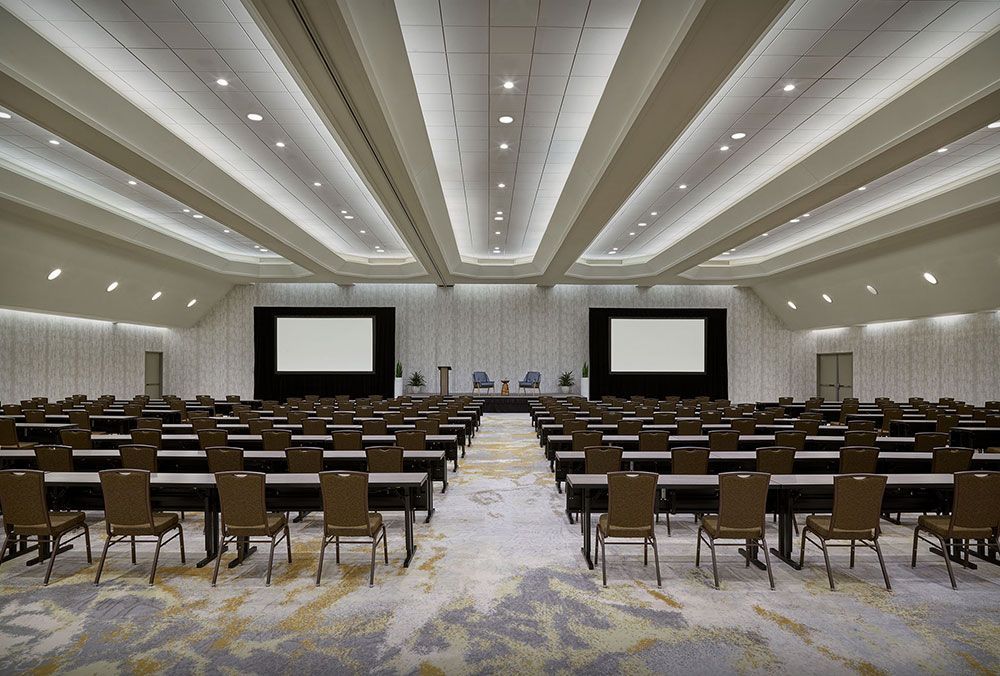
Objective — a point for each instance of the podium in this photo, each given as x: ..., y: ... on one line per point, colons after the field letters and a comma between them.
x: 444, y: 378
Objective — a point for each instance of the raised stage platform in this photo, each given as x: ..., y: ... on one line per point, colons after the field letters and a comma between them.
x: 509, y: 403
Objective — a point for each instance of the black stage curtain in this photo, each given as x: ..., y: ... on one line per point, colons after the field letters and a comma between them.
x: 713, y: 383
x: 269, y: 384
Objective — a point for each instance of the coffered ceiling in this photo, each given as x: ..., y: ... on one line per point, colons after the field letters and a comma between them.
x: 511, y: 141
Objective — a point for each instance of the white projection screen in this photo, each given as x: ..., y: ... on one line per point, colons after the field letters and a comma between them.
x: 657, y: 345
x: 325, y: 344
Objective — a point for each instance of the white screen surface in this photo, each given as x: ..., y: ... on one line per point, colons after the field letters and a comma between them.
x: 340, y: 344
x: 657, y: 345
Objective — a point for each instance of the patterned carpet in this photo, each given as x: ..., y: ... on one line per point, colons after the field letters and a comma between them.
x: 498, y: 585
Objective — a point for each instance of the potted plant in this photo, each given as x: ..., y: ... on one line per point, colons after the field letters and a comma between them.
x: 585, y: 381
x: 565, y: 381
x: 416, y: 382
x: 397, y: 383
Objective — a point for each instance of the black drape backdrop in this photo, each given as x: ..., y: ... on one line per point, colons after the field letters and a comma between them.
x: 269, y: 384
x: 713, y: 383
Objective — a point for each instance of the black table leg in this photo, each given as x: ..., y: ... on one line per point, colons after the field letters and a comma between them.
x: 430, y: 499
x: 585, y: 517
x: 211, y: 534
x: 786, y: 539
x: 408, y: 527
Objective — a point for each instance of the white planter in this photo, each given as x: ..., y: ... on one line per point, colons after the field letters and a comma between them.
x: 564, y: 389
x: 585, y: 387
x: 416, y: 390
x: 397, y: 387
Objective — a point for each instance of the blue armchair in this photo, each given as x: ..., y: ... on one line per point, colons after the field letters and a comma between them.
x: 481, y: 381
x: 532, y: 380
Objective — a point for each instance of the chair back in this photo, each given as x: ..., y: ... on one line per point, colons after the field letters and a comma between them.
x: 137, y: 456
x: 584, y: 438
x: 859, y: 438
x: 858, y: 460
x: 724, y: 440
x: 631, y: 499
x: 347, y: 440
x: 384, y: 458
x: 345, y: 499
x: 257, y: 426
x: 412, y: 440
x: 928, y: 441
x: 792, y: 439
x: 198, y: 424
x: 976, y: 504
x: 688, y: 427
x: 888, y: 415
x: 480, y: 377
x: 689, y: 461
x: 132, y: 409
x: 208, y: 438
x: 785, y: 401
x: 369, y: 427
x: 8, y: 432
x: 273, y: 440
x: 79, y: 419
x: 946, y: 422
x: 34, y: 415
x: 76, y: 438
x: 611, y: 418
x: 54, y: 458
x: 394, y: 418
x: 147, y: 437
x: 428, y: 425
x: 810, y: 427
x: 304, y: 460
x: 23, y: 500
x: 744, y: 425
x: 630, y: 426
x: 860, y: 426
x: 224, y: 459
x: 602, y: 459
x: 241, y: 497
x: 314, y: 426
x: 654, y: 440
x: 297, y: 417
x: 776, y: 460
x: 149, y: 423
x: 664, y: 417
x: 743, y: 499
x: 572, y: 425
x: 710, y: 417
x: 951, y: 460
x: 343, y: 418
x: 126, y: 498
x: 857, y: 502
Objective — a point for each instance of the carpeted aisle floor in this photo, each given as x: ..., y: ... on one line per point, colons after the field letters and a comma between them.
x: 498, y: 585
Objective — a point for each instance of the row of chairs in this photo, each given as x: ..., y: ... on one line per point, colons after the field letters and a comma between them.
x: 854, y: 520
x: 728, y: 440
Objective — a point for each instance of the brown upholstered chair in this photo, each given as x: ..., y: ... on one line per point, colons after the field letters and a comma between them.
x: 689, y: 460
x: 394, y: 419
x: 776, y: 460
x: 975, y: 515
x: 198, y: 424
x: 710, y: 417
x: 859, y: 438
x: 610, y: 418
x: 343, y: 418
x: 129, y: 515
x: 857, y: 507
x: 861, y: 426
x: 688, y: 427
x: 384, y: 459
x: 412, y: 440
x: 724, y: 440
x: 370, y: 427
x: 949, y: 460
x: 256, y: 425
x: 631, y: 505
x: 629, y: 426
x: 583, y: 439
x: 928, y: 441
x: 147, y: 437
x: 304, y: 460
x: 664, y: 418
x: 149, y: 423
x: 8, y: 435
x: 428, y: 425
x: 602, y: 459
x: 946, y: 422
x: 132, y: 409
x: 654, y: 440
x: 76, y: 438
x: 224, y: 459
x: 572, y: 425
x: 858, y: 460
x: 34, y: 416
x: 742, y: 509
x: 888, y: 415
x: 810, y: 427
x: 137, y: 456
x: 79, y: 420
x: 346, y: 515
x: 347, y: 440
x: 24, y: 502
x: 208, y: 438
x: 314, y: 426
x: 744, y: 425
x: 54, y: 458
x: 245, y: 518
x: 273, y: 440
x: 791, y: 438
x: 296, y: 417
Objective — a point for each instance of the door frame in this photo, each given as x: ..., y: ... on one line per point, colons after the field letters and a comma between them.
x: 145, y: 374
x: 838, y: 384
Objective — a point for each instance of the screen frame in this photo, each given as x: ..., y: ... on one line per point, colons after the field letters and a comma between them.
x: 297, y: 315
x: 704, y: 346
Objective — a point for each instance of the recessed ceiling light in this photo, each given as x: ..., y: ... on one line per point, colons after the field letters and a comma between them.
x: 631, y: 234
x: 348, y: 217
x: 827, y: 298
x: 112, y: 286
x: 942, y: 150
x: 805, y: 215
x: 794, y: 220
x: 361, y: 232
x: 255, y: 117
x: 993, y: 125
x: 498, y: 218
x: 792, y: 305
x: 508, y: 85
x: 504, y: 146
x: 317, y: 184
x: 930, y: 278
x: 682, y: 186
x: 280, y: 144
x: 186, y: 211
x: 55, y: 273
x: 724, y: 148
x: 222, y: 82
x: 505, y: 119
x: 226, y: 230
x: 654, y: 213
x: 501, y: 185
x: 737, y: 136
x: 156, y: 295
x: 641, y: 225
x: 379, y: 250
x: 863, y: 188
x: 614, y: 248
x: 496, y: 232
x: 192, y: 302
x: 263, y: 250
x: 764, y: 235
x: 53, y: 141
x: 4, y: 116
x: 197, y: 216
x: 499, y: 213
x: 788, y: 87
x: 132, y: 183
x: 871, y: 289
x: 256, y: 246
x: 343, y: 211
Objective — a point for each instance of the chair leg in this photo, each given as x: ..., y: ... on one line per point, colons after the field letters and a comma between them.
x: 180, y: 536
x: 802, y: 550
x: 319, y: 569
x: 697, y: 550
x: 104, y: 556
x: 829, y: 570
x: 881, y: 562
x: 667, y: 515
x: 715, y: 565
x: 947, y: 562
x: 385, y: 544
x: 336, y: 545
x: 133, y: 550
x: 852, y: 553
x: 156, y: 558
x: 767, y: 560
x: 748, y: 550
x: 52, y: 558
x: 288, y: 543
x: 371, y: 574
x: 6, y: 541
x: 916, y: 541
x: 604, y: 561
x: 270, y: 561
x: 218, y: 557
x: 86, y: 539
x: 656, y: 561
x: 645, y: 552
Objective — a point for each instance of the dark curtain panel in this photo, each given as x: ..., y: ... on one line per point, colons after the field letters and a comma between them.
x: 714, y: 382
x: 269, y: 384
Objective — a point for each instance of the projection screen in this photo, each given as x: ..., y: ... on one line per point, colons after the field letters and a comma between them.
x: 657, y: 345
x: 325, y: 344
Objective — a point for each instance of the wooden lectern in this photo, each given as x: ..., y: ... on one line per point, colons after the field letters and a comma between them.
x: 444, y: 378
